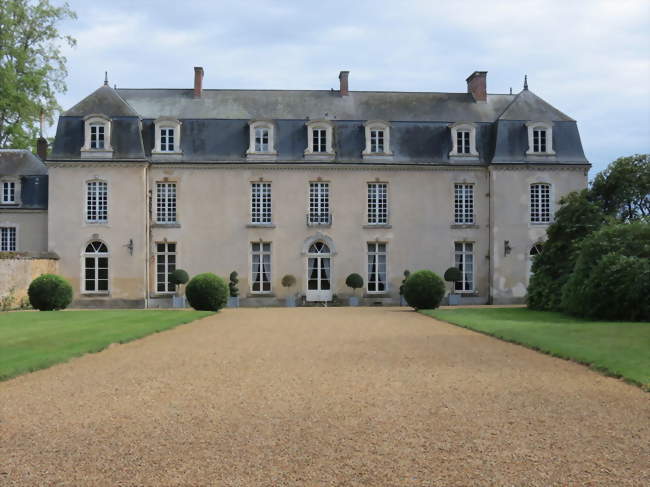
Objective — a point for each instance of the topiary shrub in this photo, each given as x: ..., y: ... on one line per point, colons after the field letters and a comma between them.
x: 288, y: 280
x: 354, y: 281
x: 179, y: 277
x: 232, y: 285
x: 424, y: 290
x: 49, y: 292
x: 207, y: 292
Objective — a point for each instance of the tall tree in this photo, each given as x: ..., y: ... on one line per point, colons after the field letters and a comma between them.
x: 32, y: 67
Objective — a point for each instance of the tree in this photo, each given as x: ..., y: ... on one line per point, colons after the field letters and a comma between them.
x: 623, y: 189
x: 32, y: 68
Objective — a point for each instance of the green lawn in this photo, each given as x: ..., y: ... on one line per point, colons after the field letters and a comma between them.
x: 35, y: 340
x: 620, y: 349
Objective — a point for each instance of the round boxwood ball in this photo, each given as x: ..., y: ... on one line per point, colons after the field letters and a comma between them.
x: 354, y: 281
x: 453, y: 274
x: 49, y: 292
x: 424, y: 290
x: 207, y: 292
x: 179, y: 276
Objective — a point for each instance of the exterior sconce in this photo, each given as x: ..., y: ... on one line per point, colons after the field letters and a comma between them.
x: 506, y: 248
x: 130, y: 246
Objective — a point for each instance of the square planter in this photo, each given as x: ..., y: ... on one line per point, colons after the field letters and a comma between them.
x: 233, y: 301
x: 454, y: 299
x: 353, y: 301
x: 402, y: 301
x: 179, y: 302
x: 290, y: 301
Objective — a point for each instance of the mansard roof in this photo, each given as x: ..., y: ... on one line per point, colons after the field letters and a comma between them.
x: 527, y: 106
x: 20, y: 162
x: 104, y: 100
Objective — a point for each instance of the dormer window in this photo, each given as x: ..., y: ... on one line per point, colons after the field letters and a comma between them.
x: 8, y: 192
x: 319, y: 140
x: 168, y: 136
x: 377, y: 140
x: 261, y: 146
x: 540, y: 138
x: 463, y: 140
x: 97, y: 137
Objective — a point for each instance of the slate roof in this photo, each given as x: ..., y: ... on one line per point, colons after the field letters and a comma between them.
x: 32, y: 172
x: 214, y: 127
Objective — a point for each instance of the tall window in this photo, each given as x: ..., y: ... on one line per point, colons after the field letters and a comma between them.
x: 319, y: 203
x: 377, y: 203
x: 462, y: 141
x: 97, y: 136
x: 319, y: 140
x: 539, y: 139
x: 166, y: 202
x: 261, y: 267
x: 535, y: 250
x: 463, y: 203
x: 7, y: 239
x: 377, y: 141
x: 540, y: 203
x: 96, y: 268
x: 261, y: 203
x: 166, y: 140
x: 376, y: 267
x: 96, y: 202
x: 464, y: 261
x: 8, y: 192
x: 261, y: 139
x: 165, y: 265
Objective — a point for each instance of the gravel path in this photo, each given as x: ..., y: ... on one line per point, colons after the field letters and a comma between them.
x: 321, y: 397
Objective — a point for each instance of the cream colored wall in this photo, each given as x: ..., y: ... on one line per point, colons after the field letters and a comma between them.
x: 17, y: 273
x: 69, y: 233
x: 214, y: 209
x: 31, y: 228
x: 511, y: 221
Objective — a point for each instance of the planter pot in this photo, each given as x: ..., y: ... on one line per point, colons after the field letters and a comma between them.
x: 402, y: 301
x: 353, y: 301
x: 233, y: 301
x: 454, y: 299
x: 179, y: 302
x: 290, y: 301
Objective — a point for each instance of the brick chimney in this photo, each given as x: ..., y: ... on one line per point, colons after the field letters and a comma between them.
x: 343, y: 79
x: 477, y: 85
x: 198, y: 81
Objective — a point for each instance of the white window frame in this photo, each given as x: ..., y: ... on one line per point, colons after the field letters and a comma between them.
x: 464, y: 204
x: 463, y: 127
x: 374, y: 254
x: 535, y: 250
x: 260, y: 155
x: 266, y: 268
x: 261, y: 203
x: 319, y: 210
x: 95, y: 120
x: 537, y: 214
x: 166, y: 123
x: 328, y: 127
x: 169, y: 267
x: 96, y: 183
x: 536, y: 126
x: 9, y: 191
x: 374, y: 126
x: 96, y: 256
x: 8, y: 238
x: 460, y: 262
x: 377, y: 206
x: 166, y: 202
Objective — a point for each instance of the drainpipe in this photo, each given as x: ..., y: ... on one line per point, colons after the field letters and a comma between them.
x: 490, y: 239
x: 147, y: 231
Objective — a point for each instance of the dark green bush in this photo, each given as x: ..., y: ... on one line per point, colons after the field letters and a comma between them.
x: 49, y: 292
x: 232, y: 285
x: 424, y: 290
x: 207, y: 292
x: 624, y: 247
x: 354, y: 281
x: 288, y: 280
x: 453, y: 274
x: 179, y: 276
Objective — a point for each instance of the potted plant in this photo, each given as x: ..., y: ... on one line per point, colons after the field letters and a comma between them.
x: 233, y: 295
x: 288, y: 281
x: 354, y: 281
x: 402, y: 300
x: 453, y: 275
x: 178, y: 278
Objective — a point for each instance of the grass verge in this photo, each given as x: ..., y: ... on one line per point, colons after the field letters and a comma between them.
x: 35, y: 340
x: 619, y: 349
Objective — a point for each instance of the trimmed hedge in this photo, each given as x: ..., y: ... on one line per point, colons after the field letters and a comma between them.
x: 207, y: 292
x: 179, y: 276
x: 424, y: 290
x: 354, y: 281
x: 49, y: 292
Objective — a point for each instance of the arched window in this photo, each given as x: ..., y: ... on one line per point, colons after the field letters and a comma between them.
x: 319, y: 248
x: 377, y: 140
x: 96, y: 268
x: 463, y: 140
x: 168, y: 136
x: 261, y: 144
x: 319, y: 140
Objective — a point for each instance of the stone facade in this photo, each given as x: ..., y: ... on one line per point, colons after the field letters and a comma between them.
x: 18, y: 270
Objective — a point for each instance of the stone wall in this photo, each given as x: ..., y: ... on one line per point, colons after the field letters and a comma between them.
x: 17, y: 270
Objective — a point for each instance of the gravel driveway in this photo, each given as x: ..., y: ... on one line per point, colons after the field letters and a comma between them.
x: 321, y: 397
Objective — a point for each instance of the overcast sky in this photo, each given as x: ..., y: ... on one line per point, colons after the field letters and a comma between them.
x: 590, y: 59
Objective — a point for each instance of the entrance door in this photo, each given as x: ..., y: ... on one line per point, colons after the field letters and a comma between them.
x: 319, y: 286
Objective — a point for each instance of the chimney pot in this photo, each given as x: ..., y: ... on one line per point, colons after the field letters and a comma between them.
x: 477, y: 85
x: 198, y: 81
x: 343, y: 79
